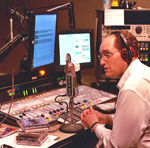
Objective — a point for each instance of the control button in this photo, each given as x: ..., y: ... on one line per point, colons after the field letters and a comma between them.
x: 23, y: 114
x: 50, y: 112
x: 42, y: 115
x: 138, y: 29
x: 54, y: 111
x: 20, y: 116
x: 58, y: 110
x: 84, y: 100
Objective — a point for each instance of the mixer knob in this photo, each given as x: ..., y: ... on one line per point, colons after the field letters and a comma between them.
x: 138, y: 29
x: 50, y: 112
x: 58, y: 110
x: 78, y: 103
x: 54, y: 111
x: 84, y: 100
x: 42, y: 115
x: 23, y: 114
x: 20, y: 116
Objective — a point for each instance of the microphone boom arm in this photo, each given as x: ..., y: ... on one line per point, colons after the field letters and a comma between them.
x: 7, y: 48
x: 71, y: 12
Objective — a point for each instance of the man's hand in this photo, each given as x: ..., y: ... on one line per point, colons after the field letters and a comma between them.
x: 90, y: 116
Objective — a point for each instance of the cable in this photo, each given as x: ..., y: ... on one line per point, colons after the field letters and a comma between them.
x: 61, y: 102
x: 12, y: 45
x: 1, y: 105
x: 101, y: 93
x: 15, y: 124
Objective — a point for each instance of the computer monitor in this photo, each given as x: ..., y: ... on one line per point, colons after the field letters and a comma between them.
x: 79, y: 44
x: 42, y: 35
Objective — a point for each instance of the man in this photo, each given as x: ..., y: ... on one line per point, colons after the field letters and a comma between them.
x: 131, y: 122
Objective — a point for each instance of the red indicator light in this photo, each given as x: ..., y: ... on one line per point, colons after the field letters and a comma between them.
x: 10, y: 90
x: 41, y: 72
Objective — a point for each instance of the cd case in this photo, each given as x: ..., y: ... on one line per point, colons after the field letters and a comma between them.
x: 5, y: 131
x: 31, y: 124
x: 32, y: 139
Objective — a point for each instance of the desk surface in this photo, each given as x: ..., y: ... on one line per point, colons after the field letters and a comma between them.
x: 66, y: 140
x: 84, y: 139
x: 88, y: 96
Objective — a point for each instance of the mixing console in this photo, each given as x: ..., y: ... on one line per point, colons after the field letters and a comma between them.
x: 44, y: 104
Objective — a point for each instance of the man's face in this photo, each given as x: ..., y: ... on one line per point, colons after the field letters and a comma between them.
x: 111, y: 60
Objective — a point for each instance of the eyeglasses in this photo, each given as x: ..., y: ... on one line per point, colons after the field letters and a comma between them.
x: 106, y: 55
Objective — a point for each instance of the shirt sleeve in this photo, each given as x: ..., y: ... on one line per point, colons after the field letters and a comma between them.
x: 130, y: 120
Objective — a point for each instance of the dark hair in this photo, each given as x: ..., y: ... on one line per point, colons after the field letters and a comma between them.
x: 132, y: 41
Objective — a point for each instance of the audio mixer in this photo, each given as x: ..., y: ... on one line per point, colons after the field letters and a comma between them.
x: 44, y: 104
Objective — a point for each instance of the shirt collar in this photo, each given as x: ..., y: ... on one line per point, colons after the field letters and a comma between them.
x: 134, y: 65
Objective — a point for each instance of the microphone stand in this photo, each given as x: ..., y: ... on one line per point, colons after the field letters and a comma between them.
x: 71, y: 106
x: 71, y: 127
x: 12, y: 44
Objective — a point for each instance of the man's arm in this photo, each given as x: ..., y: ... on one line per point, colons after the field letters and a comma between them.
x: 129, y: 121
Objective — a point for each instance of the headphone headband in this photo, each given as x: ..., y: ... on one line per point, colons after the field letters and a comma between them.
x: 126, y: 52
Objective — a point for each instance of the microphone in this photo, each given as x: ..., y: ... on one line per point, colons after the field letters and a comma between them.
x: 71, y: 91
x: 71, y: 80
x: 18, y: 15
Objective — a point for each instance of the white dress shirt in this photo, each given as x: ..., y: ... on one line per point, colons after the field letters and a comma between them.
x: 131, y: 122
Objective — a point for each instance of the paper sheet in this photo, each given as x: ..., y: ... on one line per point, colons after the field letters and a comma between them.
x: 113, y: 17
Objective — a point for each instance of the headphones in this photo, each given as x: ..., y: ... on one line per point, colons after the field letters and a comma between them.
x: 127, y: 52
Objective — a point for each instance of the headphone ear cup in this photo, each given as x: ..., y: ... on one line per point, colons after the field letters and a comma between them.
x: 127, y: 55
x: 124, y: 55
x: 132, y: 51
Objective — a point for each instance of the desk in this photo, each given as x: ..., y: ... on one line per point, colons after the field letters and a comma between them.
x: 36, y: 105
x: 85, y: 139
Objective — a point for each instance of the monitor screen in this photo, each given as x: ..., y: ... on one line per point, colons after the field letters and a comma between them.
x: 42, y: 36
x: 79, y: 44
x: 44, y: 40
